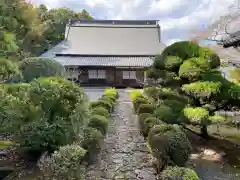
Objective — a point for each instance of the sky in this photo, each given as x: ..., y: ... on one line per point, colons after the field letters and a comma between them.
x: 177, y: 18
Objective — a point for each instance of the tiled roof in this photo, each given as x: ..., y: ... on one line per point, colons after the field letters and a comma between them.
x: 105, y: 61
x: 116, y: 39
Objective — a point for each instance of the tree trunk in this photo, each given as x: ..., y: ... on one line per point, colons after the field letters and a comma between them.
x: 204, y: 131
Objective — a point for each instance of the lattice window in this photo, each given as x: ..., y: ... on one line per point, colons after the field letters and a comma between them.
x: 129, y: 75
x: 101, y: 74
x: 92, y: 74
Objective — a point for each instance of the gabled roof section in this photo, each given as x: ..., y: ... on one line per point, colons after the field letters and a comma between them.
x: 110, y: 37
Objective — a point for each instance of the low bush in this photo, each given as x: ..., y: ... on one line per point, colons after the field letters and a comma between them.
x: 166, y: 114
x: 92, y: 141
x: 135, y: 93
x: 139, y: 100
x: 101, y: 103
x: 66, y: 163
x: 169, y: 144
x: 151, y: 92
x: 210, y: 56
x: 99, y: 122
x: 148, y: 123
x: 42, y: 136
x: 100, y: 111
x: 196, y: 116
x: 145, y: 108
x: 141, y: 119
x: 111, y: 92
x: 178, y: 173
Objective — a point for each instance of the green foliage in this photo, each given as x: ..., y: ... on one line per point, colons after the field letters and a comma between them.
x: 141, y: 120
x: 166, y: 114
x: 99, y: 122
x: 145, y: 108
x: 210, y: 56
x: 169, y: 144
x: 148, y: 123
x: 92, y: 141
x: 177, y: 106
x: 101, y: 103
x: 169, y: 63
x: 151, y: 92
x: 138, y: 101
x: 9, y: 71
x: 178, y: 173
x: 111, y: 92
x: 100, y: 111
x: 42, y: 136
x: 182, y: 49
x: 135, y: 93
x: 205, y: 89
x: 197, y: 115
x: 191, y: 69
x: 58, y: 96
x: 66, y: 163
x: 235, y: 75
x: 33, y: 68
x: 216, y: 119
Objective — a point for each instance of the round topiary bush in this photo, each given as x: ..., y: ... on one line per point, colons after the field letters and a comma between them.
x: 151, y: 92
x: 145, y: 108
x: 182, y: 49
x: 169, y: 63
x: 191, y: 69
x: 100, y: 111
x: 141, y: 118
x: 148, y: 123
x: 169, y: 144
x: 99, y: 122
x: 33, y: 68
x: 166, y: 114
x: 176, y: 105
x: 138, y: 101
x: 92, y: 141
x: 102, y: 103
x: 210, y: 56
x: 178, y: 173
x: 66, y: 163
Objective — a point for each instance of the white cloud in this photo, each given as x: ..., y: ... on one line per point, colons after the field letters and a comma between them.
x: 177, y: 17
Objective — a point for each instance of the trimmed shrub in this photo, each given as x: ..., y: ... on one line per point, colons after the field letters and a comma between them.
x: 169, y: 63
x: 145, y: 108
x: 108, y: 99
x: 169, y: 144
x: 196, y: 116
x: 191, y: 69
x: 151, y: 92
x: 210, y: 56
x: 33, y: 68
x: 111, y: 92
x: 148, y: 123
x: 177, y: 106
x: 182, y: 49
x: 166, y: 114
x: 101, y: 103
x: 100, y: 111
x: 141, y: 119
x: 138, y: 101
x: 92, y: 141
x: 135, y: 93
x: 57, y: 97
x: 66, y: 163
x: 42, y: 136
x: 99, y: 122
x: 178, y: 173
x: 203, y: 90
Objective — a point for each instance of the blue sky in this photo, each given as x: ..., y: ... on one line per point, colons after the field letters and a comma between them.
x: 178, y: 18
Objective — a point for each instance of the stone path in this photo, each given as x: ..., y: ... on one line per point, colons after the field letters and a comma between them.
x: 124, y: 154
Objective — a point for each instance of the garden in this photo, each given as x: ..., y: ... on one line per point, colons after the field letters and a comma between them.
x: 47, y: 122
x: 180, y: 108
x: 51, y: 130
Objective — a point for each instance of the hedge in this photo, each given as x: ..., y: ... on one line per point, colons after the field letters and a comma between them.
x: 145, y: 108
